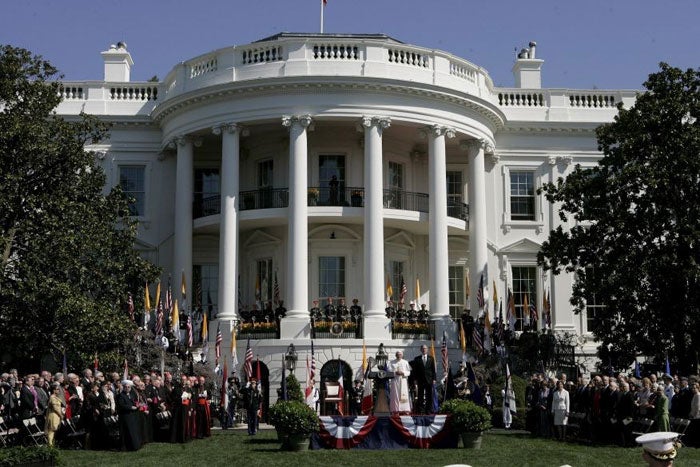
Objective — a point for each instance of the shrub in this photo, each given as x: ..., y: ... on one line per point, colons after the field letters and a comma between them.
x: 294, y: 418
x: 20, y: 455
x: 467, y: 417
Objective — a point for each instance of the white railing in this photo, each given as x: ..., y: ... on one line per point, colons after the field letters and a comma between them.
x: 133, y: 92
x: 463, y: 70
x: 408, y: 57
x: 203, y: 67
x: 592, y: 100
x: 261, y: 54
x: 521, y: 98
x: 68, y: 92
x: 336, y: 52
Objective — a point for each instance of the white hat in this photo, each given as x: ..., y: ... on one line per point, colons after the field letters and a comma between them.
x: 660, y: 445
x: 127, y: 382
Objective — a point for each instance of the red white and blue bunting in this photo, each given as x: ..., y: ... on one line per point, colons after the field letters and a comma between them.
x: 345, y: 432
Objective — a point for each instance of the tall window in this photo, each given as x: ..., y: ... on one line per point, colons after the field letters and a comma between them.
x: 132, y: 182
x: 206, y: 288
x: 263, y: 281
x: 522, y: 196
x: 332, y: 189
x: 207, y: 192
x: 455, y: 194
x: 457, y: 292
x: 265, y: 182
x: 331, y: 280
x: 593, y: 305
x: 394, y: 199
x: 396, y: 273
x: 524, y: 282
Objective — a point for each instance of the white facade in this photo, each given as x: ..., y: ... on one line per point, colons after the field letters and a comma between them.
x: 245, y: 131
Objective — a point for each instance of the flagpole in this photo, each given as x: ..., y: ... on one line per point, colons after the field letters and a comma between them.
x: 321, y: 16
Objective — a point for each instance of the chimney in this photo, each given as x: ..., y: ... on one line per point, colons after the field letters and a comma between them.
x: 117, y: 63
x: 527, y: 70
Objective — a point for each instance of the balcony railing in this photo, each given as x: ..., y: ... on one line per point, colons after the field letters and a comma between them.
x: 350, y: 329
x: 209, y: 204
x: 264, y: 198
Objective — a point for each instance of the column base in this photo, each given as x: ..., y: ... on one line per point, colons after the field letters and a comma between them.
x: 377, y: 328
x: 295, y: 328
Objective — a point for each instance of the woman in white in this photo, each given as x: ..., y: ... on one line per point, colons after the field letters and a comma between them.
x: 399, y: 400
x: 560, y: 409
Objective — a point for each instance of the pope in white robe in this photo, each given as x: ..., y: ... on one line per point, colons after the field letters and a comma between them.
x: 399, y: 399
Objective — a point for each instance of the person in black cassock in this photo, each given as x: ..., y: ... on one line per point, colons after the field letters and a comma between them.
x: 129, y: 421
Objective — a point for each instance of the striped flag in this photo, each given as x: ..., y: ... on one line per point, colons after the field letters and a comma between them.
x: 510, y: 311
x: 168, y: 310
x: 533, y: 312
x: 130, y: 306
x: 276, y: 290
x: 403, y: 292
x: 310, y: 376
x: 190, y: 333
x: 159, y: 320
x: 248, y: 361
x: 480, y: 292
x: 501, y: 324
x: 547, y: 311
x: 476, y: 337
x: 217, y: 343
x: 443, y: 351
x: 525, y: 311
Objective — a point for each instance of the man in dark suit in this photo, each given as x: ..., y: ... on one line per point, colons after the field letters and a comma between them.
x: 423, y: 373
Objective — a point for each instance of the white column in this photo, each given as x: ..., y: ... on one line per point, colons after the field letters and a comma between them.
x: 296, y: 324
x: 478, y: 260
x: 376, y: 325
x: 182, y: 242
x: 228, y: 232
x: 437, y: 235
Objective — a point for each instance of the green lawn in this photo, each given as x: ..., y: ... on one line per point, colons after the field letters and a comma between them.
x: 234, y: 448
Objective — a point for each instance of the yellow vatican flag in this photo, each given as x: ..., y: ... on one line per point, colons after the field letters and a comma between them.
x: 147, y: 300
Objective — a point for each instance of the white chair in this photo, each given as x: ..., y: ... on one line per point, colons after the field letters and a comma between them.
x: 33, y: 432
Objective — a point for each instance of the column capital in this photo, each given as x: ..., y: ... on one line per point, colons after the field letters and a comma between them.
x: 477, y: 144
x: 440, y: 130
x: 182, y: 140
x: 230, y: 128
x: 382, y: 122
x: 303, y: 120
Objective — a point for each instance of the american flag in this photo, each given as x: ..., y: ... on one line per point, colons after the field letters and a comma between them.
x: 480, y: 292
x: 403, y: 293
x: 168, y: 310
x: 547, y: 310
x: 443, y: 351
x: 130, y: 306
x: 248, y: 361
x: 159, y: 319
x: 190, y: 337
x: 341, y: 391
x: 276, y: 290
x: 476, y: 337
x: 217, y: 343
x: 533, y: 312
x: 501, y: 325
x: 310, y: 375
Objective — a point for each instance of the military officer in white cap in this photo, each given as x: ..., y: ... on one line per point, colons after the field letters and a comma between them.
x: 660, y: 448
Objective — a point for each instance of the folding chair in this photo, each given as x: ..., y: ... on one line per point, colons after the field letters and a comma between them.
x: 641, y: 426
x: 8, y: 436
x: 33, y: 432
x: 72, y: 437
x: 680, y: 426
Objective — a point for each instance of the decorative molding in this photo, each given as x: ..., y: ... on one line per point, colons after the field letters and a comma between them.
x: 100, y: 155
x: 440, y: 130
x: 552, y: 160
x: 566, y: 160
x: 230, y: 128
x: 382, y: 123
x: 494, y: 158
x: 303, y: 120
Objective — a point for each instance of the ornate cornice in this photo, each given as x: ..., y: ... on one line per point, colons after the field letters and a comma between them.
x: 304, y: 120
x: 230, y: 128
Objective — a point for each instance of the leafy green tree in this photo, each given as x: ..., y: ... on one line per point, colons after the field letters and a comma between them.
x: 67, y: 260
x: 632, y: 232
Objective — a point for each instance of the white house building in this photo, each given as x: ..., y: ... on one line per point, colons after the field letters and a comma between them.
x: 232, y: 157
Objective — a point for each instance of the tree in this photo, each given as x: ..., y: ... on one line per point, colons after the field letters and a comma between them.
x: 632, y: 226
x: 67, y: 248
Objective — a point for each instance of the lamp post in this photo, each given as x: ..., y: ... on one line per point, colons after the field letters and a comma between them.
x: 290, y: 358
x: 382, y: 357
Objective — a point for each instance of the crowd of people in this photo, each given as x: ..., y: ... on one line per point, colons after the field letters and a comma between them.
x: 108, y: 410
x: 610, y: 409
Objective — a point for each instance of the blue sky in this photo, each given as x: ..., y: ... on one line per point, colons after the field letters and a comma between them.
x: 607, y: 44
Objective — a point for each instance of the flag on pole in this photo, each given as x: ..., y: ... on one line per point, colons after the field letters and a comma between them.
x: 168, y: 310
x: 234, y: 350
x: 389, y: 289
x: 402, y: 293
x: 217, y: 343
x: 501, y: 324
x: 417, y: 291
x: 462, y: 340
x: 547, y: 310
x: 310, y: 378
x: 159, y: 320
x: 126, y: 370
x: 443, y: 351
x: 526, y: 311
x: 341, y: 391
x: 205, y: 337
x: 367, y: 398
x: 510, y: 311
x: 157, y: 294
x: 190, y: 333
x: 130, y: 306
x: 533, y: 312
x: 175, y: 321
x: 183, y: 287
x: 224, y: 388
x: 476, y: 338
x: 480, y: 292
x: 146, y: 306
x: 467, y: 286
x: 276, y: 290
x: 248, y: 362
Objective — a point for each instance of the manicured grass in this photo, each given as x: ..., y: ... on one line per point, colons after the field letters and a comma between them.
x: 233, y: 448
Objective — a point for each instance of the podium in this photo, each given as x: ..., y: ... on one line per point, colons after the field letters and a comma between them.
x: 381, y: 404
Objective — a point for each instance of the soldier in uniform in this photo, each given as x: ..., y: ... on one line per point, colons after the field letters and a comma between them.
x: 343, y: 314
x: 251, y: 402
x: 329, y: 309
x: 356, y: 398
x: 355, y: 309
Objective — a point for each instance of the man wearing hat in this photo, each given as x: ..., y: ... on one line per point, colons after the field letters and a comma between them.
x: 251, y: 401
x: 660, y: 448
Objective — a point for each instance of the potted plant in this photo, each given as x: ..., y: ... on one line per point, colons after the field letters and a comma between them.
x: 356, y: 198
x: 295, y: 422
x: 468, y: 420
x: 313, y: 196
